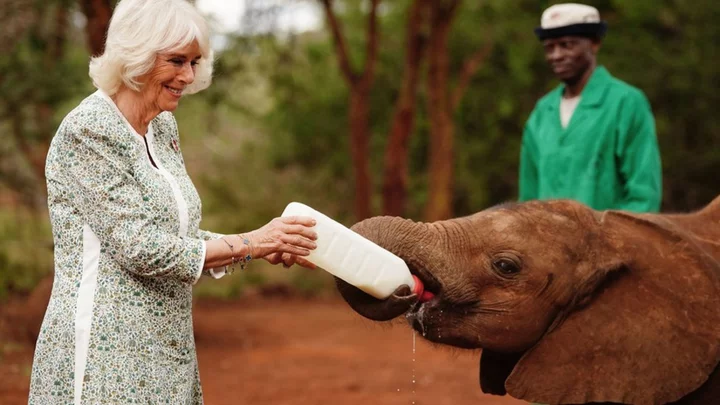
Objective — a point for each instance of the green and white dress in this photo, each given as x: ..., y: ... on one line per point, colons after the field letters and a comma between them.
x: 124, y: 213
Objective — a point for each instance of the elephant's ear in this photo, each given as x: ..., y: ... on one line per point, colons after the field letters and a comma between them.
x: 649, y: 334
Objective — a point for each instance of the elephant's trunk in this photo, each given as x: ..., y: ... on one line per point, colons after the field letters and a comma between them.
x: 400, y: 236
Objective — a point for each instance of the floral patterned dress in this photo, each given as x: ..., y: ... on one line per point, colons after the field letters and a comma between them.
x: 125, y: 215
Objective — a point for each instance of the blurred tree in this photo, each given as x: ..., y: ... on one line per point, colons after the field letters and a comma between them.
x: 305, y: 111
x: 669, y: 58
x: 442, y: 102
x: 395, y: 178
x: 439, y: 203
x: 97, y: 13
x: 489, y: 118
x: 360, y: 84
x: 38, y: 46
x: 16, y: 18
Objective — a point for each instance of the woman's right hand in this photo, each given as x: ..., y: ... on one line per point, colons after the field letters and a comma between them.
x: 291, y: 235
x: 288, y: 260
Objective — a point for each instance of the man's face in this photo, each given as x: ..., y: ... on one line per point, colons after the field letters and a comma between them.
x: 570, y: 57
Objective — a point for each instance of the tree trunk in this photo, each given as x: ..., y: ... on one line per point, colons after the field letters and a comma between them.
x: 441, y: 156
x: 395, y: 182
x: 359, y: 109
x: 360, y: 149
x: 97, y: 13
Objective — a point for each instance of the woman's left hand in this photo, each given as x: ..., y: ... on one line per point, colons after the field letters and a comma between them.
x: 283, y: 235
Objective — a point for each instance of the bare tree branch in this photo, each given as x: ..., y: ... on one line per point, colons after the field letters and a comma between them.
x: 470, y: 67
x: 340, y: 46
x: 57, y: 41
x: 373, y: 39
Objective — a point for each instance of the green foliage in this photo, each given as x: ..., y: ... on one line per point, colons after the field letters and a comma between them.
x: 34, y: 74
x: 668, y: 59
x: 26, y: 253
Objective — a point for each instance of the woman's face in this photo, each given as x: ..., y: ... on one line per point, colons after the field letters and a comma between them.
x: 173, y: 71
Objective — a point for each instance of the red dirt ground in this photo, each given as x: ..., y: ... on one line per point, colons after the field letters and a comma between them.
x: 303, y: 351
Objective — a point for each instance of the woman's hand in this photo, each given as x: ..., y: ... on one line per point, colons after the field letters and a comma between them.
x: 284, y: 239
x: 288, y: 260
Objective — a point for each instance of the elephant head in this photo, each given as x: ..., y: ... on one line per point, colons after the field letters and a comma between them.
x: 569, y: 305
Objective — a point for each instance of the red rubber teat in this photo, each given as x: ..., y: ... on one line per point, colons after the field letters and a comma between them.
x: 426, y: 296
x: 419, y: 289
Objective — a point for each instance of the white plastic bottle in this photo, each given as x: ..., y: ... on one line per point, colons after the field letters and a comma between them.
x: 353, y: 258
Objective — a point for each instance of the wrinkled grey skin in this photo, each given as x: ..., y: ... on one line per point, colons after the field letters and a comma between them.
x: 569, y: 305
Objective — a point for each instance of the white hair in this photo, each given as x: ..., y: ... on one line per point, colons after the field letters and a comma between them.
x: 139, y: 30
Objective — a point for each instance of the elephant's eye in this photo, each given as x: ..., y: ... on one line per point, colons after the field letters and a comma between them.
x: 506, y: 267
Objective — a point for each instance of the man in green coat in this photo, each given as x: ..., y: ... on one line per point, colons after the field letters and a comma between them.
x: 592, y: 139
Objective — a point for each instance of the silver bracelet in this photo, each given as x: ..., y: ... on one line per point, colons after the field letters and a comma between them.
x: 246, y: 242
x: 230, y: 269
x: 243, y: 261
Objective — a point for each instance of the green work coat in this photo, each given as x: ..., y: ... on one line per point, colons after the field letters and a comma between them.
x: 606, y: 158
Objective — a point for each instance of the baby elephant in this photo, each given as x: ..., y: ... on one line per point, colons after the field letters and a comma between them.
x: 570, y: 305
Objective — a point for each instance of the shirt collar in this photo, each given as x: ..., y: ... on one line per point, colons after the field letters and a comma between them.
x: 594, y: 90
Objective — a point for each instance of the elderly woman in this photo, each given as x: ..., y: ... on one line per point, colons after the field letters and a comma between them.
x: 125, y: 215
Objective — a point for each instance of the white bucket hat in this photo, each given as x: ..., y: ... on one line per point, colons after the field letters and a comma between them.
x: 570, y: 19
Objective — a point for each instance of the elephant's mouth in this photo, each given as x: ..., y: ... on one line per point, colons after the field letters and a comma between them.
x: 430, y: 283
x: 433, y: 320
